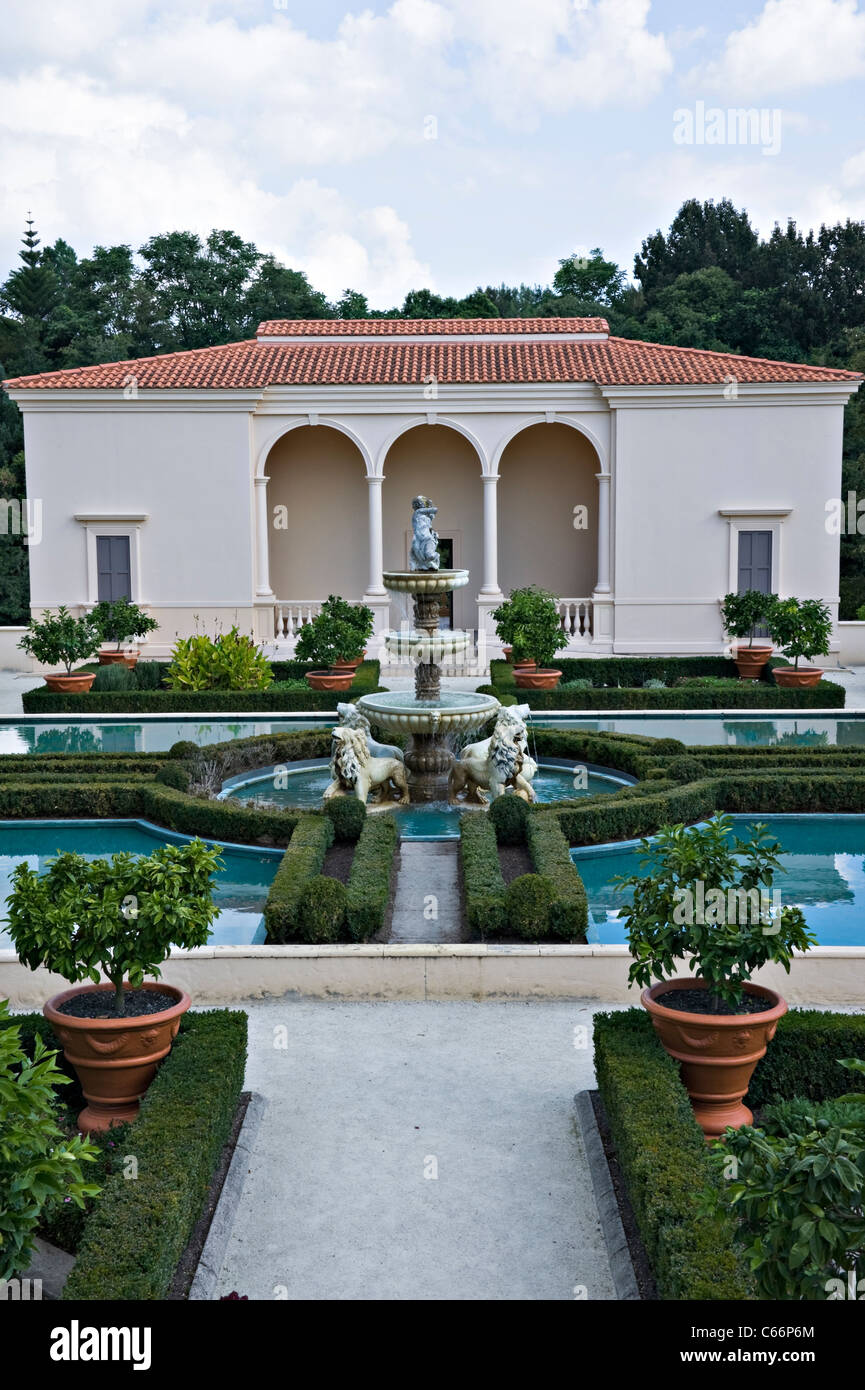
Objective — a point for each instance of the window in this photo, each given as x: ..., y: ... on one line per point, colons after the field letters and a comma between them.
x: 113, y: 570
x: 755, y: 561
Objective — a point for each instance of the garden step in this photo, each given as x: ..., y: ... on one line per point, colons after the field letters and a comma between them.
x: 427, y: 905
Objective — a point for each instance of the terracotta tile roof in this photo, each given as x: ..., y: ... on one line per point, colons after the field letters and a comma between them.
x: 254, y: 365
x: 389, y: 328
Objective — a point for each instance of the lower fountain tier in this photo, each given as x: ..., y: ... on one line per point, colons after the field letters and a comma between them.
x: 455, y: 711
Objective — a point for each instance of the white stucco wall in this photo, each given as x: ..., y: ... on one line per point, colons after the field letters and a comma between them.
x: 675, y: 470
x: 188, y: 472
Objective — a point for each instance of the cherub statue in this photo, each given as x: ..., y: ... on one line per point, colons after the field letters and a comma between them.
x: 424, y: 553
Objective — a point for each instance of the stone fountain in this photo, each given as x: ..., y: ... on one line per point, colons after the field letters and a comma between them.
x: 432, y: 716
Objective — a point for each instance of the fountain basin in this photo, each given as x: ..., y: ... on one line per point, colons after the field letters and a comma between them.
x: 424, y: 581
x: 420, y: 646
x: 454, y: 711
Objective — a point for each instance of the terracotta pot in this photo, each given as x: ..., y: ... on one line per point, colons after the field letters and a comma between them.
x: 521, y: 665
x: 115, y: 1058
x: 330, y: 680
x: 72, y: 684
x: 789, y: 678
x: 347, y: 665
x: 717, y: 1052
x: 508, y: 653
x: 544, y: 679
x: 751, y: 660
x: 115, y: 658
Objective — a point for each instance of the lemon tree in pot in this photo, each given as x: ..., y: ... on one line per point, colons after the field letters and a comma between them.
x: 335, y: 639
x: 801, y: 628
x: 529, y: 622
x: 120, y: 621
x: 119, y: 917
x: 61, y: 637
x: 741, y: 615
x: 707, y: 897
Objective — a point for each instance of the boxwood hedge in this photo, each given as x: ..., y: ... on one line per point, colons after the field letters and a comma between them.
x: 370, y: 879
x: 483, y: 882
x: 303, y: 860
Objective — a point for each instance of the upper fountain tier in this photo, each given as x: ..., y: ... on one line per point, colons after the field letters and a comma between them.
x: 424, y: 581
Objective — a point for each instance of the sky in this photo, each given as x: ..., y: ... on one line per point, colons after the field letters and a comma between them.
x: 439, y: 143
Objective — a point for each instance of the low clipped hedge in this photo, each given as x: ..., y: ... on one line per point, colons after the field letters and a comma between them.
x: 280, y: 697
x: 661, y: 1150
x: 135, y: 1235
x: 303, y: 860
x: 483, y: 883
x: 568, y: 913
x: 662, y: 1154
x: 369, y: 882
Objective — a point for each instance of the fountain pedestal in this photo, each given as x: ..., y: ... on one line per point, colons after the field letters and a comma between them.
x: 430, y: 717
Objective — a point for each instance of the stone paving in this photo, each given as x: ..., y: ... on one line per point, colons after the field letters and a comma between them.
x: 417, y: 1151
x: 427, y: 905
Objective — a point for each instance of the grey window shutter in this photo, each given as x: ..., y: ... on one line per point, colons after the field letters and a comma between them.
x: 755, y: 561
x: 114, y: 575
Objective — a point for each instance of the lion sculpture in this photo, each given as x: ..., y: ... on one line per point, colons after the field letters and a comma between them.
x: 355, y: 772
x: 353, y: 718
x: 497, y: 764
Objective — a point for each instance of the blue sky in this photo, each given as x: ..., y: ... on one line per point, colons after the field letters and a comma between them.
x: 306, y: 127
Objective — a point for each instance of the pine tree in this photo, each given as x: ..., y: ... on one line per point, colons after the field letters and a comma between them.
x: 31, y: 291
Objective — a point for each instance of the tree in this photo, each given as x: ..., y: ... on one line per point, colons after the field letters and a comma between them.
x: 701, y: 235
x: 590, y: 278
x: 32, y: 290
x: 352, y: 305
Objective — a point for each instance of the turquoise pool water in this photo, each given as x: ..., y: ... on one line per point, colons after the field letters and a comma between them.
x: 435, y: 820
x: 240, y: 888
x: 825, y: 861
x: 123, y: 735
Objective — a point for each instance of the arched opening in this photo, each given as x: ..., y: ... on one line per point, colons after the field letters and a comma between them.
x: 442, y: 463
x: 317, y: 515
x: 545, y: 472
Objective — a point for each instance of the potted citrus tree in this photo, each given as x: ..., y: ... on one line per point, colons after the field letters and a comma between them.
x: 530, y: 618
x: 119, y: 917
x: 120, y: 621
x: 335, y: 640
x: 61, y: 637
x: 801, y: 628
x: 741, y: 615
x: 704, y: 896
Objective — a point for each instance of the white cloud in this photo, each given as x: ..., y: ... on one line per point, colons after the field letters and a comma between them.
x: 792, y: 45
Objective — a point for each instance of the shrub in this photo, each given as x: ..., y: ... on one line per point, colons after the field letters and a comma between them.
x: 529, y: 621
x: 148, y: 675
x: 121, y: 917
x: 508, y: 815
x: 119, y: 621
x: 663, y: 927
x: 483, y: 883
x: 321, y: 910
x: 801, y: 627
x: 184, y: 749
x: 568, y: 914
x: 338, y: 632
x: 684, y: 769
x: 348, y: 815
x: 668, y: 747
x: 801, y: 1060
x: 302, y: 861
x: 37, y: 1162
x: 231, y: 661
x: 138, y: 1230
x: 743, y: 613
x: 173, y: 775
x: 527, y: 904
x: 663, y: 1158
x: 797, y: 1193
x: 370, y: 878
x: 59, y: 637
x: 115, y: 677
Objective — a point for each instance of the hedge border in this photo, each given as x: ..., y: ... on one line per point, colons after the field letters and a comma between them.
x: 661, y: 1150
x: 371, y: 878
x: 303, y: 861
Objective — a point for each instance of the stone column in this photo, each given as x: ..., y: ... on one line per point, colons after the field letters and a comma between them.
x: 603, y: 584
x: 491, y: 535
x: 376, y: 545
x: 262, y: 550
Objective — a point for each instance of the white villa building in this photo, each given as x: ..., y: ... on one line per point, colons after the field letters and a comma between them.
x: 244, y: 483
